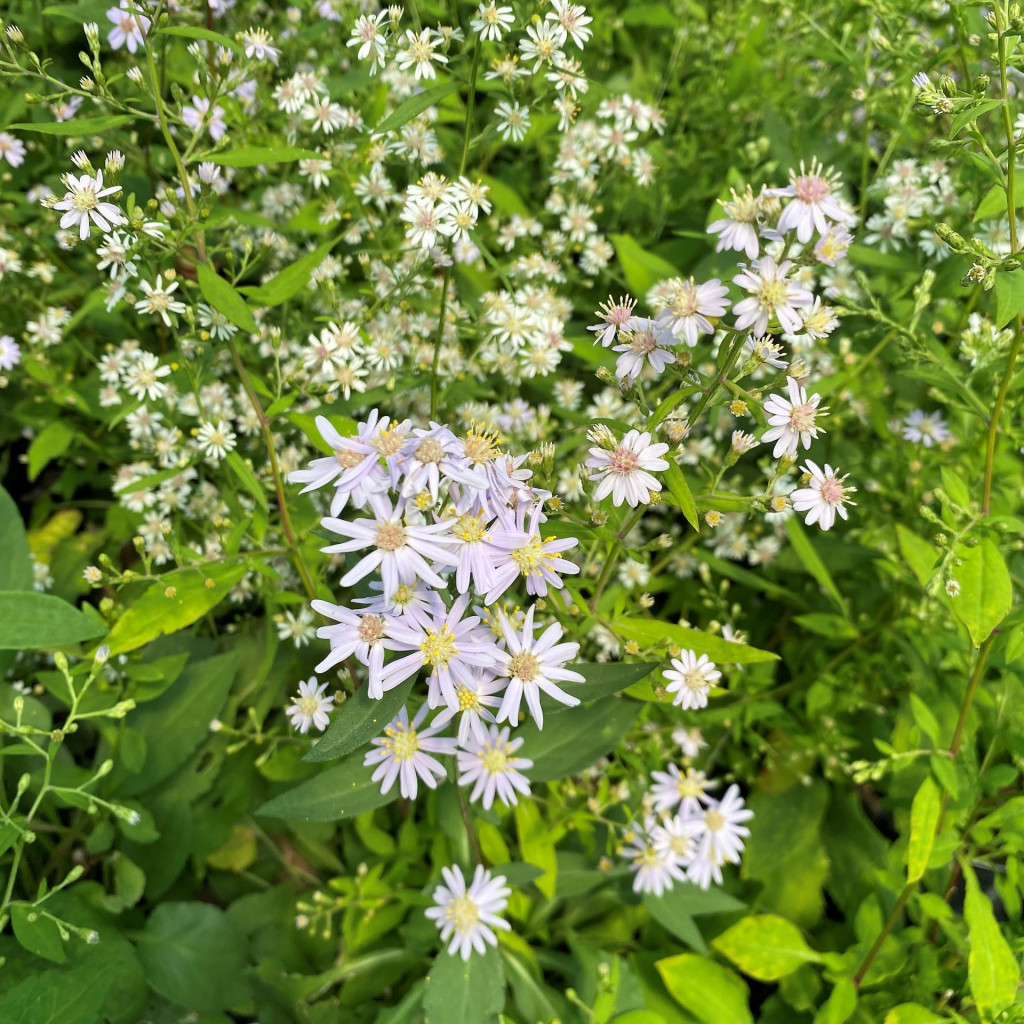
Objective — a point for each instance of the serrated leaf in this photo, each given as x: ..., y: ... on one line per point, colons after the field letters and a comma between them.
x: 358, y: 721
x: 465, y: 991
x: 340, y: 792
x: 986, y: 592
x: 414, y: 106
x: 766, y: 947
x: 176, y: 601
x: 30, y: 621
x: 651, y: 631
x: 992, y: 969
x: 59, y: 996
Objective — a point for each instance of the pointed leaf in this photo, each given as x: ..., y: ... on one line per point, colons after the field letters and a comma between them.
x: 340, y: 792
x: 465, y: 991
x: 358, y: 721
x: 986, y: 592
x: 30, y: 621
x: 992, y: 969
x: 766, y: 947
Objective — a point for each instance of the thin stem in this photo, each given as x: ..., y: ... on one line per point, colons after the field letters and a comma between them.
x: 890, y: 923
x: 972, y: 687
x: 613, y: 555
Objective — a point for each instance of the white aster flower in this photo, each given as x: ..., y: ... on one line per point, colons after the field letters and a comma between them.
x: 403, y: 753
x: 158, y: 299
x: 656, y: 866
x: 625, y: 471
x: 792, y: 421
x: 513, y: 121
x: 772, y: 296
x: 311, y: 707
x: 467, y: 916
x: 925, y: 428
x: 813, y: 204
x: 82, y: 205
x: 690, y: 679
x: 492, y: 22
x: 418, y: 52
x: 489, y: 764
x: 826, y: 496
x: 215, y: 440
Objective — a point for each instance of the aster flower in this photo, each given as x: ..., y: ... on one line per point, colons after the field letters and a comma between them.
x: 643, y: 343
x: 689, y: 306
x: 412, y: 602
x: 687, y: 791
x: 449, y: 645
x: 690, y: 678
x: 158, y: 301
x: 368, y: 34
x: 200, y: 113
x: 467, y: 916
x: 10, y: 352
x: 824, y: 498
x: 813, y: 204
x: 519, y: 552
x: 404, y: 753
x: 418, y: 52
x: 792, y: 421
x: 129, y: 26
x: 615, y: 317
x: 476, y: 696
x: 437, y: 454
x: 492, y: 22
x: 573, y: 19
x: 738, y: 228
x: 489, y: 764
x: 625, y: 470
x: 513, y: 121
x: 656, y: 866
x: 82, y: 205
x: 363, y: 636
x: 925, y: 428
x: 400, y: 550
x: 773, y: 296
x: 215, y: 440
x: 311, y: 707
x: 722, y: 833
x: 533, y: 665
x: 12, y: 149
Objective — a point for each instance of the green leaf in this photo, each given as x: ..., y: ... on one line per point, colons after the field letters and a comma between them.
x: 840, y: 1004
x: 712, y: 993
x: 81, y: 12
x: 666, y: 405
x: 575, y: 738
x: 192, y: 955
x: 15, y: 557
x: 254, y: 156
x: 537, y: 845
x: 415, y: 105
x: 681, y: 493
x: 604, y: 679
x: 465, y: 991
x: 1009, y: 289
x: 992, y: 205
x: 918, y: 553
x: 288, y: 282
x: 971, y: 112
x: 194, y: 32
x: 358, y: 721
x: 642, y: 269
x: 59, y: 996
x: 30, y: 621
x: 37, y: 933
x: 651, y: 631
x: 912, y: 1013
x: 924, y: 818
x: 826, y: 624
x: 174, y: 724
x: 50, y: 443
x: 992, y: 969
x: 219, y: 294
x: 812, y: 562
x: 340, y: 792
x: 676, y: 909
x: 766, y: 947
x: 78, y: 126
x: 176, y: 601
x: 955, y: 488
x: 986, y: 592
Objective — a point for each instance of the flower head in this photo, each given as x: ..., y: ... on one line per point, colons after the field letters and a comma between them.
x: 311, y: 707
x: 468, y: 916
x: 824, y: 498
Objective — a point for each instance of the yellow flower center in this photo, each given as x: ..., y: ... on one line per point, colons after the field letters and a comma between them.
x: 390, y: 537
x: 401, y: 743
x: 463, y: 913
x: 371, y: 628
x: 439, y: 648
x: 525, y: 666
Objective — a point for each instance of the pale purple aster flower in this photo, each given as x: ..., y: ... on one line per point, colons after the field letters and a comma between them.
x: 615, y: 317
x: 643, y: 341
x: 195, y: 115
x: 476, y: 695
x: 450, y: 646
x: 625, y: 471
x: 813, y: 204
x: 533, y: 665
x: 519, y: 551
x: 792, y: 421
x: 404, y: 753
x: 689, y: 307
x: 772, y: 296
x: 475, y: 554
x: 467, y: 916
x: 10, y: 352
x: 129, y: 26
x: 364, y: 636
x: 400, y: 550
x: 926, y: 428
x: 489, y: 764
x: 826, y: 496
x: 435, y: 455
x: 411, y: 602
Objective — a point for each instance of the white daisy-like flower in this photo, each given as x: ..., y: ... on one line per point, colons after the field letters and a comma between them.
x: 657, y: 867
x: 311, y: 707
x: 813, y: 204
x: 792, y: 421
x: 130, y: 25
x: 772, y: 296
x: 10, y: 352
x: 468, y: 916
x: 11, y: 149
x: 404, y: 753
x: 492, y: 22
x: 824, y: 498
x: 489, y: 764
x: 689, y: 306
x: 215, y: 440
x: 81, y: 204
x: 573, y: 19
x: 158, y: 300
x: 369, y: 34
x: 143, y: 378
x: 477, y: 696
x: 723, y: 831
x: 643, y: 345
x: 625, y: 470
x: 738, y: 228
x: 615, y: 317
x: 419, y: 52
x: 688, y: 792
x: 360, y: 635
x: 401, y: 551
x: 532, y: 665
x: 690, y: 679
x: 513, y: 121
x: 925, y: 428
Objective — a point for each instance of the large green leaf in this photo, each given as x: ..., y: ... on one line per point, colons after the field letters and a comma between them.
x: 605, y: 679
x: 174, y: 724
x: 575, y: 738
x: 176, y: 601
x: 219, y: 294
x: 30, y: 621
x: 38, y: 933
x: 340, y: 792
x: 358, y: 721
x: 986, y: 592
x: 712, y: 993
x: 652, y: 631
x: 465, y: 991
x: 924, y: 818
x: 50, y: 443
x: 414, y: 106
x: 193, y: 955
x: 59, y: 996
x: 766, y: 947
x: 992, y: 969
x: 288, y: 282
x: 15, y: 557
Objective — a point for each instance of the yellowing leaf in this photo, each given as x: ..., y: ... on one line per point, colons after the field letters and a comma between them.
x: 766, y: 947
x: 992, y: 969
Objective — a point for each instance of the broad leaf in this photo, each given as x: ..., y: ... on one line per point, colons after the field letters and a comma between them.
x: 651, y: 631
x: 642, y: 269
x: 992, y: 969
x: 30, y: 621
x: 358, y: 721
x: 924, y: 818
x: 986, y: 592
x: 340, y: 792
x: 712, y: 993
x: 766, y: 947
x: 414, y: 106
x: 465, y: 991
x: 219, y: 294
x: 15, y: 558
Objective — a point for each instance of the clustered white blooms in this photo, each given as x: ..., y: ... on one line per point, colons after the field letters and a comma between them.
x: 780, y: 301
